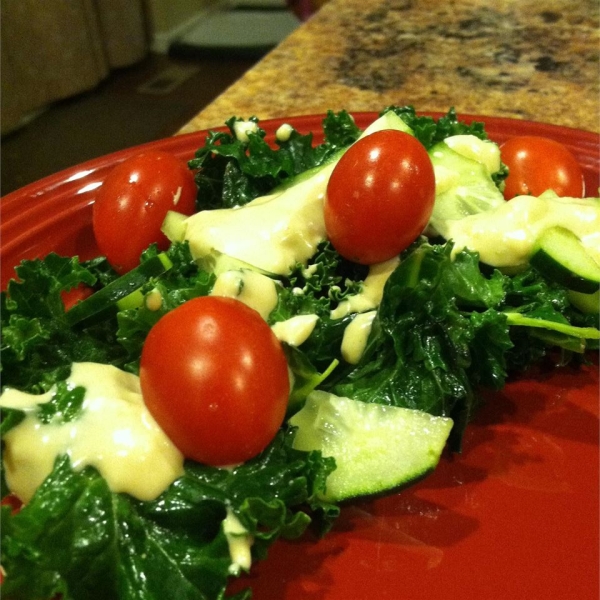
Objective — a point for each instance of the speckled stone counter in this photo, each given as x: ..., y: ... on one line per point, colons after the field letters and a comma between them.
x: 528, y: 59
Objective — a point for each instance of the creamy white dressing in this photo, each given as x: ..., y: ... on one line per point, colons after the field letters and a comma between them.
x: 272, y: 232
x: 356, y: 336
x: 483, y: 151
x: 505, y: 236
x: 153, y: 300
x: 309, y: 271
x: 240, y: 543
x: 372, y: 290
x: 114, y: 433
x: 253, y: 289
x: 19, y: 400
x: 295, y: 331
x: 243, y: 128
x: 283, y: 133
x: 177, y: 196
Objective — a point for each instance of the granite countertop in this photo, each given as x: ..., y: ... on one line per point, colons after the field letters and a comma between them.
x: 528, y: 59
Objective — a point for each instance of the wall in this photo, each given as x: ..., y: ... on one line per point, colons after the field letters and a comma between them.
x: 169, y: 16
x: 57, y: 49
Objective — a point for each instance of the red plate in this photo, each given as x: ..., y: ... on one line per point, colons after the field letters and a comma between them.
x: 515, y: 516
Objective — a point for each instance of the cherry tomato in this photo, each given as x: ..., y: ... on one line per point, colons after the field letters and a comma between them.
x: 215, y: 378
x: 75, y: 295
x: 12, y: 501
x: 536, y: 164
x: 132, y: 203
x: 379, y: 197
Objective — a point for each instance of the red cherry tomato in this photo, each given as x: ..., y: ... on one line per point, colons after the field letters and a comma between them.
x: 12, y: 501
x: 75, y: 295
x: 379, y: 197
x: 215, y: 378
x: 132, y: 203
x: 536, y: 164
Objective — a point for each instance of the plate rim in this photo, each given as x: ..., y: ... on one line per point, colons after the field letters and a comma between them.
x: 54, y: 183
x: 72, y: 190
x: 585, y: 137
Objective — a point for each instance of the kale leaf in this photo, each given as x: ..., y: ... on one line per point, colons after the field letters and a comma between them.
x: 447, y: 326
x: 435, y: 337
x: 544, y: 322
x: 318, y: 286
x: 430, y: 131
x: 182, y: 282
x: 231, y: 171
x: 38, y: 347
x: 79, y: 539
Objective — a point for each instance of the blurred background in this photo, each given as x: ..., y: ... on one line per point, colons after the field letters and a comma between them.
x: 82, y: 78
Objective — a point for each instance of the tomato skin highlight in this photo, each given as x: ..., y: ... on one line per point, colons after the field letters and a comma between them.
x: 215, y: 379
x: 380, y: 197
x: 536, y: 164
x: 132, y: 203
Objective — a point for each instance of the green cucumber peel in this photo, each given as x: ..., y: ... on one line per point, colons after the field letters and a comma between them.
x: 123, y: 292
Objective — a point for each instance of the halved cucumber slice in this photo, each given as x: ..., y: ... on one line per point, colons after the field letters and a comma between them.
x: 304, y: 175
x: 560, y: 256
x: 588, y: 304
x: 376, y: 448
x: 217, y: 262
x: 483, y: 151
x: 463, y: 187
x: 174, y: 226
x: 389, y: 120
x: 120, y: 293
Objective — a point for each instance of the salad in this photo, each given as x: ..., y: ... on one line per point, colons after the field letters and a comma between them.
x: 339, y: 349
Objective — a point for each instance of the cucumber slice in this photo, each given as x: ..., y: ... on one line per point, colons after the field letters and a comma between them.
x: 133, y: 300
x: 559, y: 255
x: 376, y: 448
x: 174, y: 226
x: 119, y: 292
x: 463, y: 186
x: 588, y: 304
x: 389, y: 120
x: 483, y: 151
x: 304, y: 175
x: 217, y: 262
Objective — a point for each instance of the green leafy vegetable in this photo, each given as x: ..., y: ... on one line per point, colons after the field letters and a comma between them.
x: 64, y: 406
x: 318, y: 286
x: 184, y: 281
x: 430, y: 131
x: 434, y: 320
x: 446, y: 327
x: 231, y: 172
x: 79, y: 539
x: 38, y: 347
x: 530, y: 296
